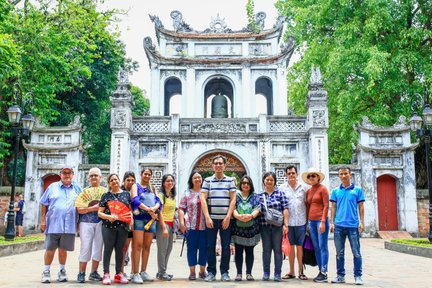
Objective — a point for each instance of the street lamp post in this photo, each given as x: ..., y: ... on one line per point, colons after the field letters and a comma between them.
x: 416, y: 123
x: 18, y: 130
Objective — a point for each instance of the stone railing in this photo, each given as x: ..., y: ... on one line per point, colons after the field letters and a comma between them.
x: 175, y: 124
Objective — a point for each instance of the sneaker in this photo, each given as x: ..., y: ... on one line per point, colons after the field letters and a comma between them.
x: 136, y: 279
x: 164, y: 277
x: 266, y: 276
x: 146, y: 277
x: 358, y: 280
x: 339, y: 279
x: 46, y: 277
x: 81, y: 277
x: 106, y: 280
x: 62, y: 277
x: 210, y: 277
x: 119, y: 278
x: 94, y: 276
x: 225, y: 277
x: 277, y: 278
x: 202, y: 275
x: 128, y: 277
x: 321, y: 278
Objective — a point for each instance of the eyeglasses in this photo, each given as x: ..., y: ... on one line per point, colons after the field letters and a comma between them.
x: 245, y: 183
x: 311, y: 176
x: 94, y: 175
x: 218, y: 163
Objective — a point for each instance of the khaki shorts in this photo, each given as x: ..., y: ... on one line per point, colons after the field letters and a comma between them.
x: 62, y: 241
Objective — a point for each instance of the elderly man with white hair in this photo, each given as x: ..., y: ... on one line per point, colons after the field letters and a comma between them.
x: 90, y: 229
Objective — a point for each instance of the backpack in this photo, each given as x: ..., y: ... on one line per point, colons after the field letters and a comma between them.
x: 244, y: 207
x: 308, y: 252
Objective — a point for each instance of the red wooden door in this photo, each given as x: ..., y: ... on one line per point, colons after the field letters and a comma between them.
x: 387, y: 203
x: 49, y: 180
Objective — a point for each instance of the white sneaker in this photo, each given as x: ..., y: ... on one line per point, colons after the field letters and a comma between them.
x: 136, y: 278
x: 358, y: 280
x: 146, y: 277
x: 62, y: 277
x: 46, y: 277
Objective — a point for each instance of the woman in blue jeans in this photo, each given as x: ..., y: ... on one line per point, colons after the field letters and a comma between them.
x: 317, y: 204
x: 271, y: 235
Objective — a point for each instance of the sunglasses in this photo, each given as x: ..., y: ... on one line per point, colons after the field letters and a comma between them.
x: 245, y: 183
x: 311, y: 176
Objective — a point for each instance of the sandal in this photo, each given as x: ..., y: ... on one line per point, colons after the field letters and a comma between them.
x: 302, y: 277
x: 192, y: 276
x: 288, y: 276
x: 238, y: 277
x: 202, y: 275
x: 249, y: 277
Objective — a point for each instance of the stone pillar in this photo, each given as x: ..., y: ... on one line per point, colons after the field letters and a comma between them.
x: 246, y: 105
x: 156, y: 100
x: 190, y: 107
x: 280, y: 103
x: 121, y: 124
x: 317, y: 122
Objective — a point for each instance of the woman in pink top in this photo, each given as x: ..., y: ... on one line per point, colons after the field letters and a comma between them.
x: 194, y: 227
x: 317, y: 204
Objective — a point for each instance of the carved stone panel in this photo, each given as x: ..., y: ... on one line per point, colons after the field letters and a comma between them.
x: 52, y: 159
x: 152, y: 150
x: 389, y: 161
x: 260, y: 49
x: 284, y: 149
x: 218, y: 49
x: 218, y: 128
x: 318, y: 118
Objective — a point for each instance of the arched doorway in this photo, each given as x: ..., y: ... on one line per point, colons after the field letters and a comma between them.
x: 235, y: 167
x: 387, y: 203
x: 49, y: 179
x: 215, y: 86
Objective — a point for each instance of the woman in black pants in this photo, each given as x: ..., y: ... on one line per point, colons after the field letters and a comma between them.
x: 245, y: 233
x: 114, y: 232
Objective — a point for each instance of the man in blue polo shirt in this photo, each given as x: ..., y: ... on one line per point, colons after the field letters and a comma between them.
x: 218, y: 198
x: 347, y: 220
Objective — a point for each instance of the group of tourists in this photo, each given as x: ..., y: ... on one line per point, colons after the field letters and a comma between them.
x: 210, y: 208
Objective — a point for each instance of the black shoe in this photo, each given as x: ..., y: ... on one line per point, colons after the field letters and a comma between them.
x: 321, y: 278
x: 81, y: 277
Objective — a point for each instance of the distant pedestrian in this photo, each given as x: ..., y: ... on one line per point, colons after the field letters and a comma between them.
x: 114, y: 231
x: 167, y: 195
x: 19, y: 214
x: 245, y: 232
x: 194, y: 227
x: 317, y: 198
x: 90, y: 228
x: 296, y: 195
x: 58, y: 221
x: 218, y: 196
x: 271, y: 234
x: 347, y: 221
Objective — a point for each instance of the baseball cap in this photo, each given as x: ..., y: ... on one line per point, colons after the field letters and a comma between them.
x: 67, y: 167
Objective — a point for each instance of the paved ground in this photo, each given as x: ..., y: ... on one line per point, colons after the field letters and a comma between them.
x: 382, y: 268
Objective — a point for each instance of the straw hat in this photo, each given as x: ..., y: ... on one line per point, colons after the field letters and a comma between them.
x: 313, y: 170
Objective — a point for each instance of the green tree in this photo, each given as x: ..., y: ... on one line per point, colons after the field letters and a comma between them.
x: 67, y: 52
x: 374, y: 55
x: 141, y: 105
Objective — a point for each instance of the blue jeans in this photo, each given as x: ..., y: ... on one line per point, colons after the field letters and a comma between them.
x: 225, y: 236
x: 340, y: 234
x: 271, y: 237
x: 196, y: 242
x: 320, y: 242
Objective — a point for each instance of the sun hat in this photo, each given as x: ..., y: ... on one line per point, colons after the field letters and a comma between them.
x: 313, y: 170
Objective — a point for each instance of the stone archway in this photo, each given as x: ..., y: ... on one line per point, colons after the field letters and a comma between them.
x: 234, y: 167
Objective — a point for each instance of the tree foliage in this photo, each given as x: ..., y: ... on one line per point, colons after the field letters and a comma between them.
x: 374, y: 55
x: 67, y: 52
x: 141, y: 105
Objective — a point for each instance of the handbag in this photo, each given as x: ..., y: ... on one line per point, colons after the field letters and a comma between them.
x: 286, y: 246
x: 272, y: 216
x: 308, y: 252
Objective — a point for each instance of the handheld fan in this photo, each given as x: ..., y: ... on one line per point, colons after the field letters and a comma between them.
x: 120, y: 211
x: 89, y: 197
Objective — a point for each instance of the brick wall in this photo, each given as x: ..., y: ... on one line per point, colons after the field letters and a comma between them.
x: 423, y: 212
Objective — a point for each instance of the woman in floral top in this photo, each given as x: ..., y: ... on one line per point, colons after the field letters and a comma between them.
x: 245, y: 234
x: 194, y: 227
x: 114, y: 232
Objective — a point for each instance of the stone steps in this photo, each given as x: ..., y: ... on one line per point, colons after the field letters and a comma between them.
x: 389, y: 235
